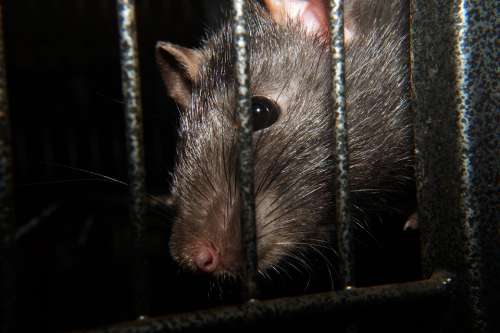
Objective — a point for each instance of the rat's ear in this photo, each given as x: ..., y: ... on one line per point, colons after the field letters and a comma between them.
x: 313, y: 14
x: 179, y: 68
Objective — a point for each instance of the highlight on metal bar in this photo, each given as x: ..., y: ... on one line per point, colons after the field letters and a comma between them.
x: 455, y: 77
x: 7, y: 226
x: 338, y: 106
x: 245, y: 168
x: 133, y: 115
x: 478, y: 109
x: 436, y: 290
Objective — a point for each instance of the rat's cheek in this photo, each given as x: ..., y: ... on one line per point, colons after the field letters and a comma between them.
x: 270, y: 230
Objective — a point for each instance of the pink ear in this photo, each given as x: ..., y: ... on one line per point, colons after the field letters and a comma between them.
x: 313, y: 14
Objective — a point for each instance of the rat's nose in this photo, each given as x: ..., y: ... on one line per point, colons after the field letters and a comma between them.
x: 207, y: 258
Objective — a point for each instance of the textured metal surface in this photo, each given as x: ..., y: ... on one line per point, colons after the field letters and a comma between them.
x: 455, y: 72
x: 331, y: 304
x: 246, y: 172
x: 133, y: 115
x: 343, y: 214
x: 7, y: 227
x: 478, y: 107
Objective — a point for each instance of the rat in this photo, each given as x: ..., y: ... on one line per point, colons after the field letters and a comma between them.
x: 293, y: 140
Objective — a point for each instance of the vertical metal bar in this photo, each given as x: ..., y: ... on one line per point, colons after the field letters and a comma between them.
x: 246, y: 171
x: 343, y: 214
x: 7, y: 226
x: 455, y: 71
x: 133, y: 115
x: 478, y: 108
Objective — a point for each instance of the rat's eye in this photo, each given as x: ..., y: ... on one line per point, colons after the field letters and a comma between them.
x: 265, y: 112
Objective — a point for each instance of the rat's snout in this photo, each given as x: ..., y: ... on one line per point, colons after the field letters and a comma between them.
x: 220, y: 255
x: 206, y: 257
x: 213, y: 246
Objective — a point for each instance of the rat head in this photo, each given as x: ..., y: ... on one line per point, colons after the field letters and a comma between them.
x: 292, y: 140
x: 292, y: 145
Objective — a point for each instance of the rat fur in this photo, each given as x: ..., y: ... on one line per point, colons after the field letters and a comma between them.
x: 294, y: 158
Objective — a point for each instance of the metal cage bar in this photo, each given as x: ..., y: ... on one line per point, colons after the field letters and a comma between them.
x: 343, y: 214
x: 455, y: 72
x: 437, y: 288
x: 133, y: 116
x: 430, y: 56
x: 7, y: 226
x: 458, y: 174
x: 246, y: 167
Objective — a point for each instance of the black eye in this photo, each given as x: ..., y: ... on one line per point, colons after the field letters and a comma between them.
x: 265, y: 112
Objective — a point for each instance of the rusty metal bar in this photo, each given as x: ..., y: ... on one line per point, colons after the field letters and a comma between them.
x: 7, y: 223
x: 133, y: 116
x: 455, y: 72
x: 246, y: 168
x: 343, y: 213
x: 438, y: 289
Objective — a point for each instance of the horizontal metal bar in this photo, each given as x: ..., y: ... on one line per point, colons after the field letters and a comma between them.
x: 131, y: 86
x: 438, y: 287
x: 246, y: 166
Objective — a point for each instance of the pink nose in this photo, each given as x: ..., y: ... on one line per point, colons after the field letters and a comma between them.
x: 206, y: 258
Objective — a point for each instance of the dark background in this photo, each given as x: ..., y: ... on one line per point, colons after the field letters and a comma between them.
x: 67, y: 116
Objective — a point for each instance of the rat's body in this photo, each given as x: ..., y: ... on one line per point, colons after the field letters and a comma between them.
x: 294, y: 156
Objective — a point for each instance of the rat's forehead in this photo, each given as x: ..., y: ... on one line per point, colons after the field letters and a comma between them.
x: 280, y: 78
x: 281, y: 65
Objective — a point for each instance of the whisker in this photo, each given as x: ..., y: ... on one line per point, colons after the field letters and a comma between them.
x: 151, y: 200
x: 282, y: 227
x: 89, y: 173
x: 36, y: 221
x: 264, y: 274
x: 313, y: 247
x: 66, y: 181
x: 112, y: 99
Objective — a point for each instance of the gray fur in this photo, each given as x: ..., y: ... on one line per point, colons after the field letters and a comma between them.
x: 294, y: 161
